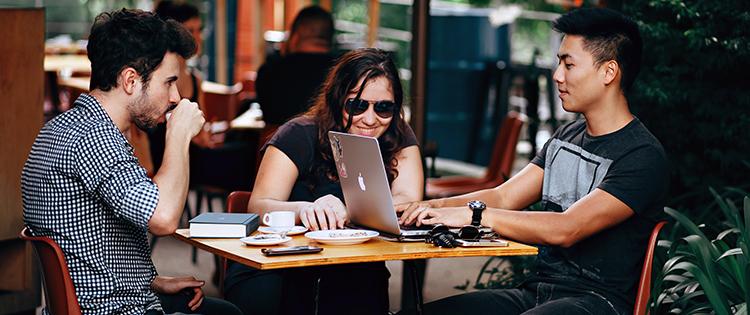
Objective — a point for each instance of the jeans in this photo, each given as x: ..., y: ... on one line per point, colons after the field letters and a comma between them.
x: 529, y: 299
x: 174, y: 303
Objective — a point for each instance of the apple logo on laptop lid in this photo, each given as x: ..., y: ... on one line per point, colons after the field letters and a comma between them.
x: 361, y: 181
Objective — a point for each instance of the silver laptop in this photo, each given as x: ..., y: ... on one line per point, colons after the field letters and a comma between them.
x: 365, y: 185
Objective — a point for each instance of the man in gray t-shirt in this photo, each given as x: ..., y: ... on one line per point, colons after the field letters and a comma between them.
x: 601, y: 182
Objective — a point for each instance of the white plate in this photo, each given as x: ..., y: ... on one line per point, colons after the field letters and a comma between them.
x: 341, y: 237
x: 272, y: 230
x: 265, y: 239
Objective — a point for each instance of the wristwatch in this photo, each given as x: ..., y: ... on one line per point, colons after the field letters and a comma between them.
x: 476, y: 207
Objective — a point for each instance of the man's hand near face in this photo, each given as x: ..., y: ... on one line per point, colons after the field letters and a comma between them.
x: 186, y: 120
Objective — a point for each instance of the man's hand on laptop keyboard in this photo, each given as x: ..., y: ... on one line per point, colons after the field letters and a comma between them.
x: 326, y: 213
x: 452, y: 217
x: 410, y: 211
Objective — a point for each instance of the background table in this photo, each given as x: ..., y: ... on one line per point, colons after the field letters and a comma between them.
x: 75, y: 63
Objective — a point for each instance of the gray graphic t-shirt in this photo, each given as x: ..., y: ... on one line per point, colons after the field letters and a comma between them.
x: 629, y: 164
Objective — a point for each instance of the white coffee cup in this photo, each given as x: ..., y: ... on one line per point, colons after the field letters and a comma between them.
x: 279, y: 219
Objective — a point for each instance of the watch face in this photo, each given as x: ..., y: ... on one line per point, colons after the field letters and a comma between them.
x: 476, y: 205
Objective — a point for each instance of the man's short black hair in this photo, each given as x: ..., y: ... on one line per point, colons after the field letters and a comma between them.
x: 607, y: 35
x: 133, y: 38
x: 314, y: 23
x: 180, y: 12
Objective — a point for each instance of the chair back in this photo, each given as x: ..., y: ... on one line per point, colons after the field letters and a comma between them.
x: 644, y: 285
x: 504, y: 150
x: 237, y: 201
x: 60, y: 294
x: 221, y: 101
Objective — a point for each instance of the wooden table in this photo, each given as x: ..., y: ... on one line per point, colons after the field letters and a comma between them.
x: 81, y: 84
x: 370, y: 251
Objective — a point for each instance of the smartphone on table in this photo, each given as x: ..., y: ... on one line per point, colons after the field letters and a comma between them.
x: 482, y: 243
x: 290, y: 250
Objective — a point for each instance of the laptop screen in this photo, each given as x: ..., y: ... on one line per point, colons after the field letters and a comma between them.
x: 364, y: 182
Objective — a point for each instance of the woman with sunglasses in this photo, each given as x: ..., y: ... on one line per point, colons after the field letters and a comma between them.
x: 361, y: 95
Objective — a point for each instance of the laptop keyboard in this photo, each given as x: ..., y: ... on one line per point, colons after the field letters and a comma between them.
x: 416, y: 228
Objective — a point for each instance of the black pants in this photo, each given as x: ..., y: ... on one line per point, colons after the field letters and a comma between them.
x: 530, y: 299
x: 174, y: 303
x: 336, y: 289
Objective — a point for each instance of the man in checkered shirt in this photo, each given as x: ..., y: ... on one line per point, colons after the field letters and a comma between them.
x: 84, y: 188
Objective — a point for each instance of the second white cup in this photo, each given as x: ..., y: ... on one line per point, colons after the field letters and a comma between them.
x: 280, y: 219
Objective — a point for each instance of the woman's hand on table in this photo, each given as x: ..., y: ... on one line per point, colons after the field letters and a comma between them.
x: 326, y: 213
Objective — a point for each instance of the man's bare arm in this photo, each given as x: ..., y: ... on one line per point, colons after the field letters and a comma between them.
x: 517, y: 193
x: 591, y: 214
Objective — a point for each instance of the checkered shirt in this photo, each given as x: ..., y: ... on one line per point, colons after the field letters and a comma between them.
x: 83, y: 187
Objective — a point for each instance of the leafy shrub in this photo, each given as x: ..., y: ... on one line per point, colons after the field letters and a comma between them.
x: 692, y: 91
x: 706, y: 268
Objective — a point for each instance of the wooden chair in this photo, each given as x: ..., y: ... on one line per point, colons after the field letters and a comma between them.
x: 60, y: 294
x: 644, y: 284
x: 236, y: 203
x: 501, y: 164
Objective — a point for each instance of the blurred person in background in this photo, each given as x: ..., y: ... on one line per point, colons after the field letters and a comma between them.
x: 286, y: 85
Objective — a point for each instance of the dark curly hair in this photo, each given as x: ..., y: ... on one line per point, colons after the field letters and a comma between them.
x: 328, y: 107
x: 136, y: 39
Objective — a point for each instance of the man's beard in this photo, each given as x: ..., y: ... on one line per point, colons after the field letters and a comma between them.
x: 141, y: 114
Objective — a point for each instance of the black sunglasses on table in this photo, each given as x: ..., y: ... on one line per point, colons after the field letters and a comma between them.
x: 357, y: 106
x: 442, y: 236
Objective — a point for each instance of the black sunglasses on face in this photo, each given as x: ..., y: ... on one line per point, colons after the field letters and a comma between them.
x: 357, y: 106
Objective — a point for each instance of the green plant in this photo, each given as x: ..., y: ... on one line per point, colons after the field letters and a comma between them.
x: 707, y: 268
x: 692, y: 90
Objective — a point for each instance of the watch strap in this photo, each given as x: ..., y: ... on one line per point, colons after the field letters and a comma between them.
x: 477, y: 207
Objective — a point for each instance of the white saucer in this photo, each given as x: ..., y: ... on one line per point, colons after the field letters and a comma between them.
x: 265, y: 239
x: 341, y: 237
x: 272, y: 230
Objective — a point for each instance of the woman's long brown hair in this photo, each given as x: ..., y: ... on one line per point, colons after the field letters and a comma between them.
x: 328, y: 107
